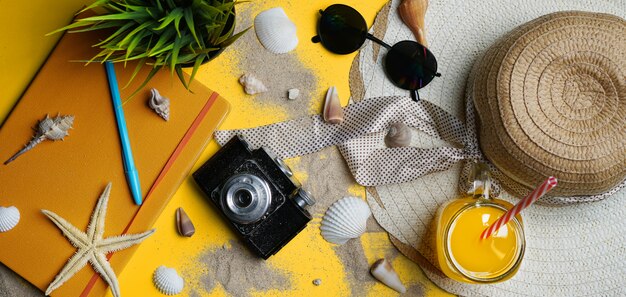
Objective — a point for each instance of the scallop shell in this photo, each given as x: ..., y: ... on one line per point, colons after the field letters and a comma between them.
x: 345, y: 219
x: 9, y: 217
x: 276, y: 31
x: 168, y: 281
x: 160, y: 104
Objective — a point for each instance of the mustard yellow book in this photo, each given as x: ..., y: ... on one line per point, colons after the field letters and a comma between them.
x: 67, y: 177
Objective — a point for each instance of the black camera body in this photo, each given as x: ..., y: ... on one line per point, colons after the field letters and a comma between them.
x: 257, y: 193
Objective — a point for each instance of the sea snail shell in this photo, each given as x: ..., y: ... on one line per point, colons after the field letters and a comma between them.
x: 398, y: 135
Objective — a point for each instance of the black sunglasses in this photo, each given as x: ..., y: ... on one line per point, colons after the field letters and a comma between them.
x: 408, y: 64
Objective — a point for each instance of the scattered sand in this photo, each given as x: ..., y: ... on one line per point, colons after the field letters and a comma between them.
x: 278, y: 72
x: 240, y: 272
x: 12, y: 285
x: 357, y: 269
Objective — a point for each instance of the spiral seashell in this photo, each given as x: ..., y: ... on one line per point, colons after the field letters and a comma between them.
x: 160, y: 104
x: 56, y: 128
x: 251, y: 84
x: 168, y: 281
x: 398, y: 135
x: 345, y: 219
x: 276, y: 31
x: 49, y: 128
x: 9, y: 217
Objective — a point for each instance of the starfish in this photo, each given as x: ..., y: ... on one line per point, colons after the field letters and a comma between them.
x: 92, y: 247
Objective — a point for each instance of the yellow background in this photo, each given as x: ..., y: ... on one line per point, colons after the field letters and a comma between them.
x: 23, y: 47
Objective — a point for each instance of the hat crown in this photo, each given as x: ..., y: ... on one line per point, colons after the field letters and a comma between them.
x: 551, y: 99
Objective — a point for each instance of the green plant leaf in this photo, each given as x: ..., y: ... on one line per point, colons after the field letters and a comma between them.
x: 153, y: 71
x: 188, y: 13
x: 210, y: 9
x: 170, y: 4
x: 139, y: 28
x: 116, y: 34
x: 99, y: 26
x: 174, y: 16
x: 196, y: 66
x: 133, y: 44
x: 161, y: 44
x: 181, y: 76
x: 92, y: 5
x: 225, y: 36
x: 232, y: 39
x: 178, y: 44
x: 135, y: 72
x: 137, y: 16
x: 76, y: 24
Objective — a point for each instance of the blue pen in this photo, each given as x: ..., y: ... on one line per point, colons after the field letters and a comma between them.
x: 129, y: 163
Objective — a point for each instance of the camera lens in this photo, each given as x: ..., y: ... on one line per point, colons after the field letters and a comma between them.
x: 245, y: 198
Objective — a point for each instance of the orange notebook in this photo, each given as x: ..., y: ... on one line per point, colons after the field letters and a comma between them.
x: 67, y: 177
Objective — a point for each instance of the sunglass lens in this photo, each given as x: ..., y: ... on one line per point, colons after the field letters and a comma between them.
x: 342, y: 29
x: 410, y: 66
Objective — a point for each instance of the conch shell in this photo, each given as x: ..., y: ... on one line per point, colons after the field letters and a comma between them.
x: 160, y: 104
x: 412, y: 13
x: 48, y: 128
x: 398, y: 135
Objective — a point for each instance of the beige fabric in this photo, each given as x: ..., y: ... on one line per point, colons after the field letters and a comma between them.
x: 551, y: 97
x: 574, y: 250
x: 360, y: 139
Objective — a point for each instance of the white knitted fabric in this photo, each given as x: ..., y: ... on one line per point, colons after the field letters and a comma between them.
x: 573, y: 250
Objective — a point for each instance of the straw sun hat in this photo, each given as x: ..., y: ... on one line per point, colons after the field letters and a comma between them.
x: 541, y: 86
x: 551, y: 98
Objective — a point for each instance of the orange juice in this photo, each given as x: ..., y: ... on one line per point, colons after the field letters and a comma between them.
x: 461, y: 253
x: 464, y: 256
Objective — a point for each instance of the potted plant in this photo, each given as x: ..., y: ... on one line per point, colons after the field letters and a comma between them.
x: 161, y: 33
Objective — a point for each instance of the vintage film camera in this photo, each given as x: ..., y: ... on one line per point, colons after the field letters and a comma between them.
x: 257, y: 193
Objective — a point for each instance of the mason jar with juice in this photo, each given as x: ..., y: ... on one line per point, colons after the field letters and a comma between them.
x: 461, y: 253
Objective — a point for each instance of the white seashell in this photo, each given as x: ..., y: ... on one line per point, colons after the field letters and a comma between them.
x: 160, y: 104
x: 9, y: 217
x: 168, y: 281
x: 398, y: 135
x: 275, y: 31
x: 384, y: 272
x: 345, y: 219
x: 251, y: 84
x: 293, y: 94
x: 333, y: 112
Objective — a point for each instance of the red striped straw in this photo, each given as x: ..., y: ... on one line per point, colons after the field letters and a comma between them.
x: 546, y: 186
